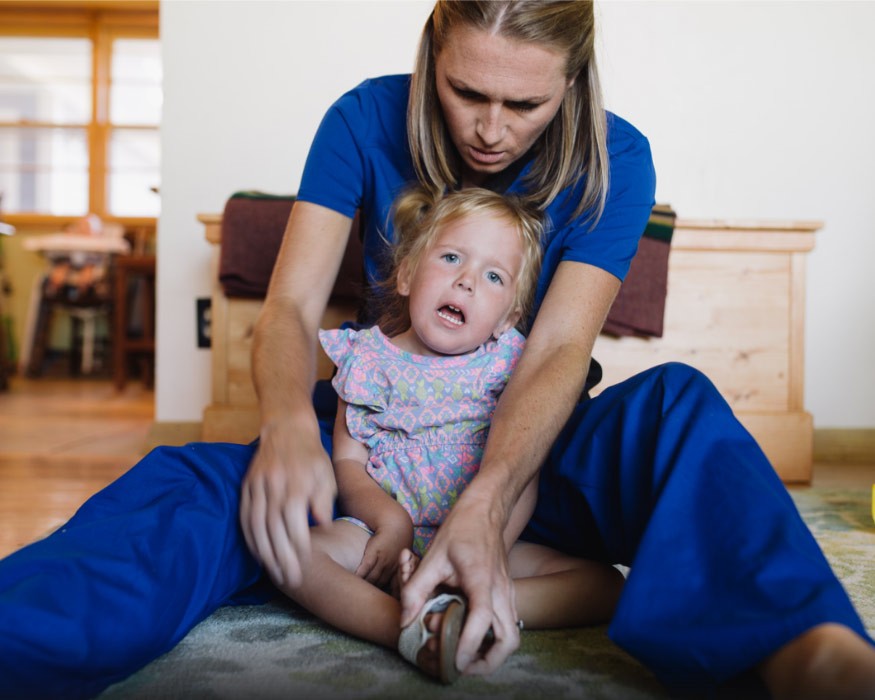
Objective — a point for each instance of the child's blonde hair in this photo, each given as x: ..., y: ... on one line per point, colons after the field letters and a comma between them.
x: 418, y: 218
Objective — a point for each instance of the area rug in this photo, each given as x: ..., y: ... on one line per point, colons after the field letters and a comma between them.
x: 280, y: 651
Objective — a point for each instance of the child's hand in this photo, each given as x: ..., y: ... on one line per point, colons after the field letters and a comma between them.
x: 380, y: 559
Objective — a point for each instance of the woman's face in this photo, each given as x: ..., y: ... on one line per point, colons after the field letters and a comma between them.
x: 497, y: 96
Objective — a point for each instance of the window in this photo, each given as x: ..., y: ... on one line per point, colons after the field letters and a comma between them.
x: 80, y: 109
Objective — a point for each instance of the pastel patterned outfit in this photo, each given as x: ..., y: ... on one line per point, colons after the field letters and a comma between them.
x: 423, y: 419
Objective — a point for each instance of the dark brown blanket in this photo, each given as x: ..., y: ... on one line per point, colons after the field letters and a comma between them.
x: 639, y: 308
x: 253, y: 225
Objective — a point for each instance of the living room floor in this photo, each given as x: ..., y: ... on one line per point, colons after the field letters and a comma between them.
x: 62, y: 440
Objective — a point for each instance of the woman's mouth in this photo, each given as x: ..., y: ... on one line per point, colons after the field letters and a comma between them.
x: 451, y: 314
x: 485, y: 157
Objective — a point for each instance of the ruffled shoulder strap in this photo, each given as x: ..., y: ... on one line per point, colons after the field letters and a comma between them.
x: 360, y: 379
x: 504, y: 353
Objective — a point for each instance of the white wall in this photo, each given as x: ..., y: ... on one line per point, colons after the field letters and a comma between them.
x: 246, y: 83
x: 753, y: 109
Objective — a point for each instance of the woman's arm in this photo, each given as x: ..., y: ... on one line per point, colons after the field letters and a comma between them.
x: 468, y: 550
x: 363, y: 498
x: 290, y: 474
x: 521, y: 514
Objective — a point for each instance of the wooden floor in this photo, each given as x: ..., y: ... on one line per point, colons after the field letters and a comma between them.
x: 60, y: 442
x: 63, y: 440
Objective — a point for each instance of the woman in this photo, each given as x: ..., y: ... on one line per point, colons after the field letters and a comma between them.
x: 655, y: 472
x: 506, y: 96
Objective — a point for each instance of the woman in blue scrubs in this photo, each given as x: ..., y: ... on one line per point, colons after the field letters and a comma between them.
x: 655, y: 473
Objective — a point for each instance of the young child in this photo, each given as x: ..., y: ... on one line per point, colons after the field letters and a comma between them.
x: 416, y: 395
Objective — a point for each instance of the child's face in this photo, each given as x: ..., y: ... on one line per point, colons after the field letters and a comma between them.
x: 464, y: 287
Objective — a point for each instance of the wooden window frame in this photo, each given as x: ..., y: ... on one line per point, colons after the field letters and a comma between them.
x: 101, y: 21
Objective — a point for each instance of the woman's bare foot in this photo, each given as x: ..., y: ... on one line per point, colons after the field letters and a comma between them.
x: 829, y: 660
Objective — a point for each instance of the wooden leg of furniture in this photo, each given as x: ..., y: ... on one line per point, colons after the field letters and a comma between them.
x: 126, y: 346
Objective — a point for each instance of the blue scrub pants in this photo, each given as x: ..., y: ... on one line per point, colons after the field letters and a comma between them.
x: 655, y: 473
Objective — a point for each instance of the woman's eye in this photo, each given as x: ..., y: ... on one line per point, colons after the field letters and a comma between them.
x: 523, y: 106
x: 469, y: 95
x: 495, y: 278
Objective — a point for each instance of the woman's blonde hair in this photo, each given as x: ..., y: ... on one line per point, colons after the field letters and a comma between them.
x: 574, y: 144
x: 419, y: 216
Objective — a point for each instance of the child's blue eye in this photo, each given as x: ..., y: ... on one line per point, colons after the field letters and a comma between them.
x: 494, y: 277
x: 450, y: 257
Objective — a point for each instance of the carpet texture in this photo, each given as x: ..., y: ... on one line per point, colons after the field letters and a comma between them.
x: 280, y: 651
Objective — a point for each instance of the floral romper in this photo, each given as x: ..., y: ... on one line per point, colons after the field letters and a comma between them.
x: 423, y: 419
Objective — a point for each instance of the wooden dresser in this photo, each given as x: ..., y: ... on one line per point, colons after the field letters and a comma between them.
x: 735, y: 310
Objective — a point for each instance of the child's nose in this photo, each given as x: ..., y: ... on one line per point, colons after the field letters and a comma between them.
x: 465, y: 282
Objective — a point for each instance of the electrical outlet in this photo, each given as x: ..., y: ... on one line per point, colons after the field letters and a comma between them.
x: 204, y: 322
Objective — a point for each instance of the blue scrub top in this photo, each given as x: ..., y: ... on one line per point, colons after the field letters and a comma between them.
x: 360, y: 160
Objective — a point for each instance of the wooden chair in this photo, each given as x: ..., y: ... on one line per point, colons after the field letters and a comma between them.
x: 133, y: 334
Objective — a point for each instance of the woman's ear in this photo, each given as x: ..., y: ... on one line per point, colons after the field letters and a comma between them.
x: 402, y: 281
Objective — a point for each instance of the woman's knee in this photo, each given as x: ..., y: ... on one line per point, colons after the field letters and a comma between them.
x: 676, y: 385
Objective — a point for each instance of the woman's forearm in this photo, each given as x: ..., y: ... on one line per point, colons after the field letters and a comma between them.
x: 284, y: 340
x: 529, y: 416
x: 283, y: 365
x: 545, y: 386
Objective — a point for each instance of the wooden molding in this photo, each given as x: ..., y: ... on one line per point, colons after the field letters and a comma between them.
x: 172, y: 433
x: 844, y: 445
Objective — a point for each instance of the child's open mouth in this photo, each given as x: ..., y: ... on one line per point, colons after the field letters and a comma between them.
x: 451, y: 314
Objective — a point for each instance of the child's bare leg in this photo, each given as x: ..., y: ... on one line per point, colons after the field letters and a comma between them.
x: 331, y: 591
x: 829, y: 660
x: 557, y: 590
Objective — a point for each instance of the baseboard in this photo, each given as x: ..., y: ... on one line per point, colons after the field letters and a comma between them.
x: 844, y: 445
x: 172, y: 433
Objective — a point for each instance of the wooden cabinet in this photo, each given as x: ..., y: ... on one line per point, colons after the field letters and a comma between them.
x: 735, y: 310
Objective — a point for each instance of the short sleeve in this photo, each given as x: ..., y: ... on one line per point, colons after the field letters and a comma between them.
x: 613, y: 242
x: 334, y: 171
x: 360, y: 379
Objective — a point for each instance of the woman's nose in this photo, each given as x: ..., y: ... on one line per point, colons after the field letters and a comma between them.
x: 489, y: 126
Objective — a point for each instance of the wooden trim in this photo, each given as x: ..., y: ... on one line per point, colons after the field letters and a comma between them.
x: 796, y: 329
x: 749, y: 225
x: 101, y: 22
x: 844, y: 445
x: 172, y: 433
x: 42, y: 221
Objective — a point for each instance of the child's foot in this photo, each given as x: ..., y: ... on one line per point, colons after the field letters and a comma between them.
x: 431, y: 640
x: 407, y: 564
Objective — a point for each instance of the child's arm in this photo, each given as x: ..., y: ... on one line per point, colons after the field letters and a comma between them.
x: 363, y: 498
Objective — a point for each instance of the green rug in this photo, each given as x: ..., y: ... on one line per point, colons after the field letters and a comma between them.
x: 280, y: 651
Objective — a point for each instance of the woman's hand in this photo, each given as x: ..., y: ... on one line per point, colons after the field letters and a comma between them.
x: 469, y: 553
x: 290, y: 477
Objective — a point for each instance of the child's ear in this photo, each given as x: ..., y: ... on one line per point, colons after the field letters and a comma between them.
x: 402, y: 282
x: 507, y: 323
